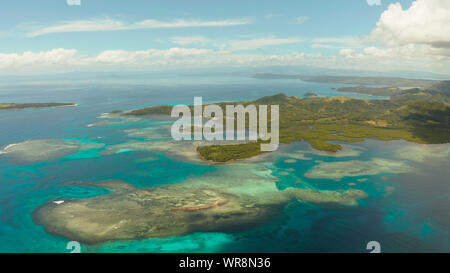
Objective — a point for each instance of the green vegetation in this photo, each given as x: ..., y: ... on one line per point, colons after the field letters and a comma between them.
x: 374, y: 91
x: 421, y: 116
x: 442, y: 88
x: 157, y: 110
x: 310, y: 94
x: 11, y: 106
x: 225, y: 153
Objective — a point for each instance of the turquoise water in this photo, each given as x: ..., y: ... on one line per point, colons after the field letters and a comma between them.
x: 405, y: 212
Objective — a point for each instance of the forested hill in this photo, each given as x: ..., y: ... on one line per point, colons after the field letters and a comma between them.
x: 421, y: 116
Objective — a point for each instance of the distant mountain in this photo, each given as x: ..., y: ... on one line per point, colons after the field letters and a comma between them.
x: 442, y: 87
x: 385, y: 81
x: 278, y: 98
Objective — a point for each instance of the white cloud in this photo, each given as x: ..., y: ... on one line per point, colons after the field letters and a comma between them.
x: 80, y: 26
x: 190, y: 40
x: 113, y: 25
x: 302, y: 19
x: 416, y: 37
x: 324, y: 46
x: 66, y: 60
x: 31, y: 59
x: 270, y: 16
x: 425, y: 22
x: 181, y: 23
x: 261, y: 42
x: 350, y: 53
x: 374, y: 2
x: 406, y: 39
x: 407, y: 57
x: 147, y: 56
x: 371, y: 58
x: 339, y: 42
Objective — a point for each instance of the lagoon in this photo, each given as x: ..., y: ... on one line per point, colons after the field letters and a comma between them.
x: 395, y: 212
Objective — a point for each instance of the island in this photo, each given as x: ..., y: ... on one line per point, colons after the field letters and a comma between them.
x: 440, y: 87
x: 17, y: 106
x: 383, y: 81
x: 373, y: 91
x: 310, y: 94
x: 415, y: 115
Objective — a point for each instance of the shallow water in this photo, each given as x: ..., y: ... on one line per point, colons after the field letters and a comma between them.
x: 405, y: 212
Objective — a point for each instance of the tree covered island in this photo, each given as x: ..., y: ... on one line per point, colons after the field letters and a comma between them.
x: 416, y: 115
x: 16, y: 106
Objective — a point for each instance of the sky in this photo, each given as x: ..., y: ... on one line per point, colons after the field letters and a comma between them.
x: 57, y: 36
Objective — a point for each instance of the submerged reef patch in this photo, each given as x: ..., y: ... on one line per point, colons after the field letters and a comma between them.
x: 352, y: 168
x: 46, y: 149
x: 233, y: 198
x: 420, y: 153
x: 346, y: 151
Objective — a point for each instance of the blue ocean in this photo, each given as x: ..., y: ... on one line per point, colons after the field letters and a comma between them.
x: 407, y: 207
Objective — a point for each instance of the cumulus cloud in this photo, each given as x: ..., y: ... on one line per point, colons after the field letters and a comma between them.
x: 113, y: 25
x: 45, y: 58
x: 425, y: 22
x: 63, y: 60
x: 66, y: 60
x: 416, y: 38
x: 372, y: 58
x: 407, y: 57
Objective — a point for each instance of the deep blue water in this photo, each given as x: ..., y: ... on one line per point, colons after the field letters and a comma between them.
x: 414, y: 217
